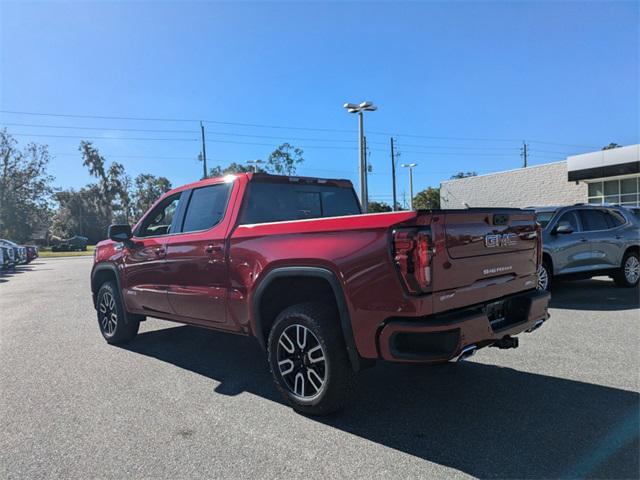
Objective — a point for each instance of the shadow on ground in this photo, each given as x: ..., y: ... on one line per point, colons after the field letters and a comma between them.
x: 484, y: 420
x: 593, y: 294
x: 5, y: 275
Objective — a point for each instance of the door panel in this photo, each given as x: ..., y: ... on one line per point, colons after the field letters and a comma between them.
x: 569, y: 252
x: 196, y: 258
x: 145, y: 267
x: 144, y: 260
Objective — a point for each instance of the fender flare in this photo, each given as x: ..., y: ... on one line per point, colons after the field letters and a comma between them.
x: 316, y: 272
x: 101, y: 267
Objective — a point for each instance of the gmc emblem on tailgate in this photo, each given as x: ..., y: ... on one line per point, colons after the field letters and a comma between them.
x: 500, y: 240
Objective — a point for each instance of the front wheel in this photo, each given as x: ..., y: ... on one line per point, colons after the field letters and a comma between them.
x: 309, y: 360
x: 629, y: 272
x: 115, y: 325
x: 544, y: 277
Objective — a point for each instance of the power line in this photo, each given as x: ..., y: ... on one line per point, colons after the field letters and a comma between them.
x: 256, y: 125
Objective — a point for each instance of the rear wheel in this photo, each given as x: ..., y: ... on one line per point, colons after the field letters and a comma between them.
x: 115, y: 325
x: 309, y: 360
x: 629, y: 272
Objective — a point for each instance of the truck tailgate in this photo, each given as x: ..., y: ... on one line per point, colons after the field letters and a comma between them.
x: 486, y: 254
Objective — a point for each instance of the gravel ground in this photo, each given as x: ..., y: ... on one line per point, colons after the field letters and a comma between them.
x: 182, y: 402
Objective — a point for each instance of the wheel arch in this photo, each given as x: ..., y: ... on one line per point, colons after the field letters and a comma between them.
x: 263, y: 319
x: 101, y: 273
x: 547, y: 256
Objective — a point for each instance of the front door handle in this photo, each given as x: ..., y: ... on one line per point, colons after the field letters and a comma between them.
x: 159, y: 251
x: 584, y: 240
x: 213, y: 248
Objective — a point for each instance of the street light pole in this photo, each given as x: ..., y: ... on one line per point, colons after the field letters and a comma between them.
x: 362, y: 168
x: 410, y: 167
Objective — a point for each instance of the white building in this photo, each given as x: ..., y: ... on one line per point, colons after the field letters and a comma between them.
x: 606, y: 176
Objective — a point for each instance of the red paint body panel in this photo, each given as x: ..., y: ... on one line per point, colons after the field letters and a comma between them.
x: 209, y: 278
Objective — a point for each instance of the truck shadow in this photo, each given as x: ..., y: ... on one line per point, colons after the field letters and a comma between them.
x: 593, y: 294
x: 484, y: 420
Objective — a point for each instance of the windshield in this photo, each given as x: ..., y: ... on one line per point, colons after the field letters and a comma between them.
x: 544, y: 218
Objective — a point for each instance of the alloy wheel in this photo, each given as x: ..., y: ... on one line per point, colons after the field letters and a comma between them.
x: 543, y: 278
x: 632, y: 269
x: 108, y: 314
x: 301, y: 362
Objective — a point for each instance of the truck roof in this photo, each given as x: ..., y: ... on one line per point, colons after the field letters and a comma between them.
x: 263, y: 177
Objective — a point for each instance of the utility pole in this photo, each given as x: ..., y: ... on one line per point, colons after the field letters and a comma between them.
x: 366, y: 172
x: 204, y: 152
x: 524, y: 153
x: 393, y: 174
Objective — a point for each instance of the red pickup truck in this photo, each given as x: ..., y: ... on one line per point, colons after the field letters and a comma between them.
x: 325, y: 289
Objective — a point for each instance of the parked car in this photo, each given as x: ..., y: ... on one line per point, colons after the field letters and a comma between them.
x: 582, y: 241
x: 32, y: 253
x: 76, y: 243
x: 8, y: 257
x: 20, y: 251
x: 324, y: 289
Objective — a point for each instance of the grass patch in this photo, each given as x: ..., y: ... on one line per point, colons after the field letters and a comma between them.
x: 46, y: 252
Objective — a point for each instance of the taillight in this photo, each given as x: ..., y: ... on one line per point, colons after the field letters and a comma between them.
x: 412, y: 257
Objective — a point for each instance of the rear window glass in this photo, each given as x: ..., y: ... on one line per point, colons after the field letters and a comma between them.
x: 277, y: 202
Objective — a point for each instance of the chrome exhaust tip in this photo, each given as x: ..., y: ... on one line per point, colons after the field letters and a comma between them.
x: 467, y: 352
x: 536, y: 326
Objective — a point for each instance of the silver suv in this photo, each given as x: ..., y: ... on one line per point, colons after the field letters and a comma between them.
x: 582, y: 241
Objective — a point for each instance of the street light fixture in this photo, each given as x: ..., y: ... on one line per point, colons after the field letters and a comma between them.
x: 255, y: 164
x: 360, y: 108
x: 410, y: 166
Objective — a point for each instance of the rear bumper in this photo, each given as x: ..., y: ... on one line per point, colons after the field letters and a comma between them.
x: 440, y: 338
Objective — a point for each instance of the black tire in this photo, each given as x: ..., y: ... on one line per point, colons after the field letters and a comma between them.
x: 111, y: 310
x: 627, y: 275
x: 544, y: 271
x: 338, y: 376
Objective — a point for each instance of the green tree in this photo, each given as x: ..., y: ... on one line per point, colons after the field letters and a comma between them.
x: 427, y: 199
x: 113, y: 183
x: 81, y: 212
x: 25, y: 188
x: 376, y: 207
x: 284, y: 159
x: 146, y: 190
x: 463, y: 175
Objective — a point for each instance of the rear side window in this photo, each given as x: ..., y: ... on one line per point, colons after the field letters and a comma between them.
x: 615, y: 219
x: 206, y: 207
x: 594, y: 220
x: 277, y: 202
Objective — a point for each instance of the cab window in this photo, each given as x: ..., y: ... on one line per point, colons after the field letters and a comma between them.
x: 206, y: 207
x: 158, y: 221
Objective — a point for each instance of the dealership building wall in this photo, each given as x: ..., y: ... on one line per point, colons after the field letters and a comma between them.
x: 605, y: 176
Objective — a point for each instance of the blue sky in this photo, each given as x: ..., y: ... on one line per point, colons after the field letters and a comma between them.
x: 469, y: 81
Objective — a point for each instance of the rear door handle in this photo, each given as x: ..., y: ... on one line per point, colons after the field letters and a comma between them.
x: 159, y: 251
x: 583, y: 240
x: 213, y: 248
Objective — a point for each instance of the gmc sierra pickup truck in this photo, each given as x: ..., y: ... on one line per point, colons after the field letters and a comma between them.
x: 325, y: 289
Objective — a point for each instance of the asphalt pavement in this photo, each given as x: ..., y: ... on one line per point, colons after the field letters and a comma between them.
x: 183, y: 402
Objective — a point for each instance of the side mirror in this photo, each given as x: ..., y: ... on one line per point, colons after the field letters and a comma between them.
x: 563, y: 229
x: 120, y: 232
